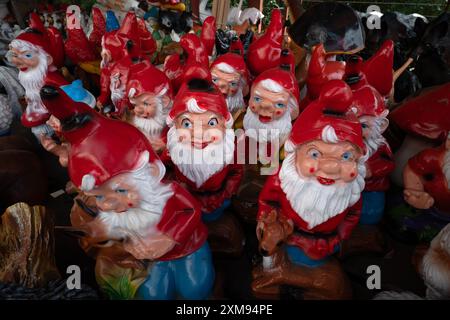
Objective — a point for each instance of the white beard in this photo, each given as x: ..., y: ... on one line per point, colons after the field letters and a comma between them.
x: 316, y: 203
x: 236, y: 101
x: 33, y: 80
x: 376, y: 139
x: 435, y: 266
x: 151, y: 127
x: 446, y: 168
x: 198, y: 165
x: 117, y: 94
x: 139, y: 221
x: 267, y: 132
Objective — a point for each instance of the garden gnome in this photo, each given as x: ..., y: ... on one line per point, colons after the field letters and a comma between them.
x: 201, y: 145
x: 37, y: 53
x: 314, y: 201
x: 152, y: 223
x: 150, y: 96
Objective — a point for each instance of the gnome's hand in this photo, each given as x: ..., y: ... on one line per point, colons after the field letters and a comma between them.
x: 418, y: 199
x: 151, y: 247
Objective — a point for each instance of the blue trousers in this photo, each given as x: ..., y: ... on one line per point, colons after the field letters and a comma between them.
x: 190, y: 278
x: 298, y: 256
x: 373, y: 207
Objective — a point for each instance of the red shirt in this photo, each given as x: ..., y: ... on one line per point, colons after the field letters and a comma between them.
x: 428, y: 165
x: 318, y: 242
x: 381, y: 164
x: 181, y: 220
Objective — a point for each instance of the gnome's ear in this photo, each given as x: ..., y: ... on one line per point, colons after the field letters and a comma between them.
x: 49, y: 60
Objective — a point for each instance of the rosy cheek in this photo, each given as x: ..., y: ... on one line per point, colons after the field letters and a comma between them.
x: 312, y: 170
x: 352, y: 175
x: 130, y: 205
x: 278, y: 113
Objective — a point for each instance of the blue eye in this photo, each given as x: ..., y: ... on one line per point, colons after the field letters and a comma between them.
x: 314, y: 154
x: 280, y: 105
x: 233, y: 84
x: 364, y: 125
x: 213, y: 122
x: 99, y: 197
x: 347, y: 156
x: 28, y: 55
x: 214, y: 80
x: 121, y: 191
x: 257, y: 99
x: 186, y: 124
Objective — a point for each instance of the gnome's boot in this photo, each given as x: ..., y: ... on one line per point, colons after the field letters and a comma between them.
x: 364, y: 239
x: 327, y: 281
x: 225, y: 236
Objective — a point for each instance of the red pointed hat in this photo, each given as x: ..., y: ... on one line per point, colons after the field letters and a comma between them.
x: 199, y: 94
x: 100, y: 147
x: 49, y: 39
x: 367, y: 100
x: 332, y: 108
x: 117, y: 42
x: 284, y: 77
x: 235, y: 61
x: 98, y: 27
x: 145, y: 78
x: 320, y: 71
x: 264, y: 52
x: 426, y: 115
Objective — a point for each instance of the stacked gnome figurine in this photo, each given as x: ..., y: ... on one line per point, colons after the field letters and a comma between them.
x: 140, y: 222
x: 38, y: 53
x: 313, y: 203
x: 229, y: 73
x: 150, y: 95
x: 201, y: 147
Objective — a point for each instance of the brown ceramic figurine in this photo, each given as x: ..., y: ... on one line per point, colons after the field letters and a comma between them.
x: 316, y: 196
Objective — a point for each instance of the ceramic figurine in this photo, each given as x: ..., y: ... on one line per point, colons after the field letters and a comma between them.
x: 264, y: 52
x: 273, y: 105
x: 150, y: 96
x: 201, y: 146
x: 37, y: 53
x: 372, y: 113
x: 229, y: 73
x: 98, y: 28
x: 58, y: 146
x: 314, y: 201
x: 426, y: 178
x: 421, y: 159
x: 433, y: 268
x: 323, y: 67
x: 138, y: 224
x: 120, y: 48
x: 194, y: 54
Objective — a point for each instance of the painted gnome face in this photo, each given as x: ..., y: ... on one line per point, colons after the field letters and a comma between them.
x: 131, y: 203
x: 268, y: 113
x: 373, y: 128
x: 150, y: 112
x: 231, y: 84
x: 324, y: 169
x: 199, y: 140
